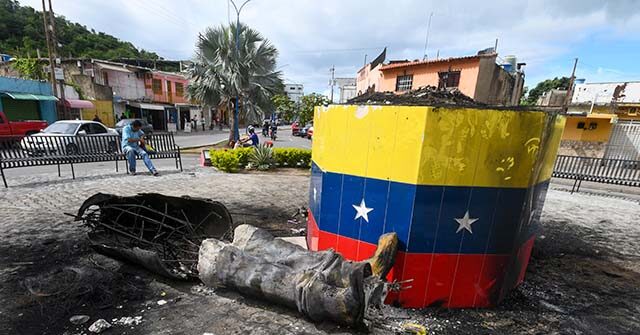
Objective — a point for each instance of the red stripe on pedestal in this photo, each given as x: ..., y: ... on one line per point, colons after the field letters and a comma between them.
x: 524, y: 255
x: 313, y: 233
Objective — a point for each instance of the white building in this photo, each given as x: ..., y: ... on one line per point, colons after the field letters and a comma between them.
x: 294, y: 91
x: 606, y: 93
x: 347, y: 88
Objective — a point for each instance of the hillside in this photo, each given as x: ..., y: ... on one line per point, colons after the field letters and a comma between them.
x: 21, y: 33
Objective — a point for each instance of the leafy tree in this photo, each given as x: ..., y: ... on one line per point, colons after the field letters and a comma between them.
x: 29, y: 68
x: 220, y: 73
x: 546, y: 86
x: 22, y: 33
x: 285, y: 106
x: 308, y: 104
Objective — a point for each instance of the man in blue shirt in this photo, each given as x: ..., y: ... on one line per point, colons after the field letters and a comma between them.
x: 132, y: 140
x: 253, y: 137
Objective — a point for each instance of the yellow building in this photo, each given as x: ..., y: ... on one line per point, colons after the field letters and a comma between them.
x: 595, y: 127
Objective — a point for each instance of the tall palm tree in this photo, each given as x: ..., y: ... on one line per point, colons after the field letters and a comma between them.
x: 220, y: 73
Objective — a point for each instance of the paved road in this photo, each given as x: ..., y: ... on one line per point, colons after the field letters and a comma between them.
x: 199, y: 139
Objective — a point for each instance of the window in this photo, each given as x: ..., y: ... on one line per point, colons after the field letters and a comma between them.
x: 633, y: 111
x: 169, y: 87
x: 179, y: 89
x: 105, y: 77
x: 448, y: 79
x: 404, y: 83
x: 581, y: 125
x: 98, y: 129
x: 593, y: 125
x: 156, y: 86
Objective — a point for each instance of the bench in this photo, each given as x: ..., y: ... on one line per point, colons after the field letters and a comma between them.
x: 17, y: 152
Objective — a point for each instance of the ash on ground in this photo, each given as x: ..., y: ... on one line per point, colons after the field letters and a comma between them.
x: 424, y: 96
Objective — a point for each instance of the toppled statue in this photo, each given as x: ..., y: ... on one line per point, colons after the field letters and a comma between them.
x: 320, y: 285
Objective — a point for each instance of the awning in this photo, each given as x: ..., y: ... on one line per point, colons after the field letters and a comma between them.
x: 113, y: 67
x: 142, y: 105
x: 73, y: 103
x: 28, y: 96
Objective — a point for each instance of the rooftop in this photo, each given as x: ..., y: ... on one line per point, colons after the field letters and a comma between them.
x: 395, y: 65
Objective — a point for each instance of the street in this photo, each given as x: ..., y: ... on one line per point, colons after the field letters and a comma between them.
x: 201, y: 139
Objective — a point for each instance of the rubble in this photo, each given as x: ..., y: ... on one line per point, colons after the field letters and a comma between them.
x: 424, y: 96
x: 159, y: 232
x: 321, y: 285
x: 99, y: 326
x: 79, y: 319
x: 127, y: 321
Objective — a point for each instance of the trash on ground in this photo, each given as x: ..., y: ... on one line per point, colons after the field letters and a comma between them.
x: 161, y: 233
x: 99, y: 326
x: 321, y: 285
x: 162, y: 302
x: 127, y: 321
x: 79, y: 319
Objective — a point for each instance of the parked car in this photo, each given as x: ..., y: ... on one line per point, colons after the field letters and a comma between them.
x: 20, y: 128
x: 303, y: 131
x: 295, y: 128
x: 62, y: 137
x: 146, y: 127
x: 310, y: 132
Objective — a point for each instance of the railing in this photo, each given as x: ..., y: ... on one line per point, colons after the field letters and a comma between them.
x: 600, y: 170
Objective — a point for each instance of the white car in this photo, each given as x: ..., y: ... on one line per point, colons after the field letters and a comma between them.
x: 72, y: 137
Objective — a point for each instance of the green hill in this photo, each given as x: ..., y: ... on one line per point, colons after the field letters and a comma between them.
x: 22, y: 32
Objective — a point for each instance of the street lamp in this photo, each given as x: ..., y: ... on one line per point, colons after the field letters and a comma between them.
x: 236, y: 132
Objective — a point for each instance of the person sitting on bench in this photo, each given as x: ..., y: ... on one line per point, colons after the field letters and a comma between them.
x: 133, y: 144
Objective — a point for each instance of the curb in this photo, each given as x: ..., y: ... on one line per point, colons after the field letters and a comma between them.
x: 203, y: 145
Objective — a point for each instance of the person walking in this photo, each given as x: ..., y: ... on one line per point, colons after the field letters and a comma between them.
x: 202, y: 122
x: 133, y: 144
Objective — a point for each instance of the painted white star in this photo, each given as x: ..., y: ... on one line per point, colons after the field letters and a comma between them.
x: 362, y: 211
x: 465, y: 222
x: 315, y: 194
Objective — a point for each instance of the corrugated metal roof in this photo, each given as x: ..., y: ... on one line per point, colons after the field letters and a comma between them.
x: 432, y: 61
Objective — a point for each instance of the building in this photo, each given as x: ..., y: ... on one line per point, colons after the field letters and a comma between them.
x: 619, y: 98
x: 477, y: 76
x: 552, y: 98
x: 347, y: 88
x: 114, y: 90
x: 22, y: 99
x: 294, y: 91
x: 368, y: 78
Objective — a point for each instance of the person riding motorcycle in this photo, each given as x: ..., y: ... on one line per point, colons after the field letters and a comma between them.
x: 265, y: 128
x: 274, y: 130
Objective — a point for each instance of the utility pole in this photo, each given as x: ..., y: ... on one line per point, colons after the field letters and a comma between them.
x: 49, y: 50
x: 54, y: 44
x: 572, y: 79
x: 332, y: 82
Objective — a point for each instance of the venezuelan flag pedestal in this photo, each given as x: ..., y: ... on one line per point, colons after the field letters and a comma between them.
x: 463, y: 188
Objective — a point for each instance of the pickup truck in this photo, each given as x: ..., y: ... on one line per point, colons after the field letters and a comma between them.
x: 19, y: 128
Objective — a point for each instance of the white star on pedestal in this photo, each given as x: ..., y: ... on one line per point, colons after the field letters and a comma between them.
x: 465, y: 222
x: 362, y: 211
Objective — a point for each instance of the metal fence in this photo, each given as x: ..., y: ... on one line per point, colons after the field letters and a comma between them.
x: 624, y: 141
x: 601, y: 170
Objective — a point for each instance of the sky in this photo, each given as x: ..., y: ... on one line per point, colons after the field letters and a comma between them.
x: 314, y: 35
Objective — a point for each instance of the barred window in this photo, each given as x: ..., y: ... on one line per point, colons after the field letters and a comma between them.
x: 448, y: 79
x: 156, y: 85
x: 404, y: 83
x: 179, y: 89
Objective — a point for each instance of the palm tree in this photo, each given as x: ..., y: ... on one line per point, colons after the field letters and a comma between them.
x: 220, y: 73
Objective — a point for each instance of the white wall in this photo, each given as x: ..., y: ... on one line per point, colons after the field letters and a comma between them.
x: 603, y: 93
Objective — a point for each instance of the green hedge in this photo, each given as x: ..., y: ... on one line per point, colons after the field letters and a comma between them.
x: 230, y: 160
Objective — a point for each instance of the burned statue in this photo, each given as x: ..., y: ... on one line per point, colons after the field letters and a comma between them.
x: 190, y: 238
x: 320, y: 285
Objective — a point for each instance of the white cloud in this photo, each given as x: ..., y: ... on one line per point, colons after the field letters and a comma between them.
x: 314, y: 35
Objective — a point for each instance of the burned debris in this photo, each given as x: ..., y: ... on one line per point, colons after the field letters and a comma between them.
x: 160, y: 233
x: 424, y: 96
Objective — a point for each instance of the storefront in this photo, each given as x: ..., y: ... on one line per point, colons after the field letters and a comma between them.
x: 156, y: 114
x: 26, y: 106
